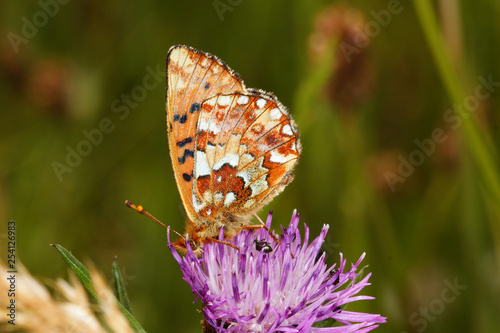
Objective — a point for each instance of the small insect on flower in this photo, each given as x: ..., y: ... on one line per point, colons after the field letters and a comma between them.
x: 266, y: 287
x: 263, y: 245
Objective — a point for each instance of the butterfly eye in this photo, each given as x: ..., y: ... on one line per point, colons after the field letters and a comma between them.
x: 263, y: 245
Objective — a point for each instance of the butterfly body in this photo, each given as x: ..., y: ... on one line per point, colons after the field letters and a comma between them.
x: 233, y: 149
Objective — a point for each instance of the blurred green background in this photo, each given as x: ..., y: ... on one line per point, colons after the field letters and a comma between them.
x: 398, y: 122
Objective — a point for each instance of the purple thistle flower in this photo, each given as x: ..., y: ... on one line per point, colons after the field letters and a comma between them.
x: 270, y: 287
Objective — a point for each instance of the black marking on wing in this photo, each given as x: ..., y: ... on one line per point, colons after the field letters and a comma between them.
x: 184, y: 142
x: 187, y: 153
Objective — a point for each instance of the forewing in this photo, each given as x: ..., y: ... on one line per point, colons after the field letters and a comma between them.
x: 246, y: 148
x: 192, y: 77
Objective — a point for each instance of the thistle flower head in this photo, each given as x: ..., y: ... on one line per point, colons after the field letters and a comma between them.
x: 271, y: 287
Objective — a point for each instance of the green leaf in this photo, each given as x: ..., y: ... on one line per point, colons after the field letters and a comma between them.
x: 83, y: 275
x: 132, y: 321
x: 80, y: 271
x: 120, y: 291
x: 123, y: 301
x: 477, y: 141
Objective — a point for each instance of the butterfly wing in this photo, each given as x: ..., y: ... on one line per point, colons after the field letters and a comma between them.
x: 246, y: 148
x: 192, y: 77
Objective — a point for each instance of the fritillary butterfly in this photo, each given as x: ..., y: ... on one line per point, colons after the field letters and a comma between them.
x: 233, y: 149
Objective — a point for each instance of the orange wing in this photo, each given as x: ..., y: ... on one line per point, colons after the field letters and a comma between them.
x: 192, y: 77
x: 246, y: 148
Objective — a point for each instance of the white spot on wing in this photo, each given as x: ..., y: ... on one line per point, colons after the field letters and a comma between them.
x: 219, y: 179
x: 218, y: 198
x: 230, y: 197
x: 275, y: 114
x: 242, y: 100
x: 207, y: 196
x: 245, y: 175
x: 231, y: 159
x: 278, y: 158
x: 196, y: 204
x: 209, y: 211
x: 203, y: 126
x: 202, y: 168
x: 287, y: 130
x: 224, y: 100
x: 214, y: 127
x: 261, y: 103
x: 259, y: 186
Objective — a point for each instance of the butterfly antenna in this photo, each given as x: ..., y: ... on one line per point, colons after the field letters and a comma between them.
x: 141, y: 210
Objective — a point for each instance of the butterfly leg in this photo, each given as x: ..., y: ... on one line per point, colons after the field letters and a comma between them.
x: 262, y: 225
x: 223, y: 242
x: 253, y: 227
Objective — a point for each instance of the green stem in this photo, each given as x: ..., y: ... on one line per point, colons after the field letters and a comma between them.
x: 483, y: 154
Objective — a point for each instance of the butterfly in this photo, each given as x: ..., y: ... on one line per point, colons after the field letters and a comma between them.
x: 233, y: 149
